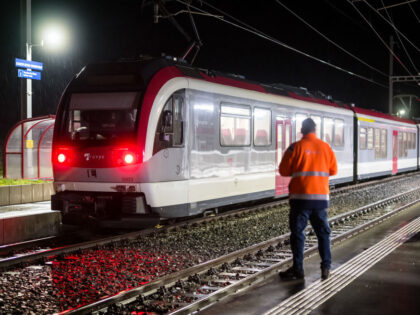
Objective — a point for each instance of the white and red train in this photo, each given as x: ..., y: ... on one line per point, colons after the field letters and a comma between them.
x: 159, y: 137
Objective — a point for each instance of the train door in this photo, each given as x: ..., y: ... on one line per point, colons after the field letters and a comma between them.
x: 394, y: 152
x: 283, y: 140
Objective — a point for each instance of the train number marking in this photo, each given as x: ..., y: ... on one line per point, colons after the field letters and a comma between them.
x: 91, y: 173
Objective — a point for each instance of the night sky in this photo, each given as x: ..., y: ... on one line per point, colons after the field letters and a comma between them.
x: 110, y: 30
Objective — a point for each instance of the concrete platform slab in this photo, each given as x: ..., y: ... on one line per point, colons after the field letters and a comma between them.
x: 27, y: 194
x: 4, y: 195
x: 15, y: 194
x: 48, y: 190
x: 37, y: 192
x: 24, y: 222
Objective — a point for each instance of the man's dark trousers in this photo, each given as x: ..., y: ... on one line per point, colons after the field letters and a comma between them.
x: 298, y: 219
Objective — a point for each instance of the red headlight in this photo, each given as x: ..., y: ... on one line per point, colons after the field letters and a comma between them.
x: 125, y: 156
x: 128, y: 158
x: 61, y: 158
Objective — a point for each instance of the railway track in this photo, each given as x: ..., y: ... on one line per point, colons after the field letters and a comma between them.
x: 192, y: 289
x: 32, y: 251
x: 104, y: 267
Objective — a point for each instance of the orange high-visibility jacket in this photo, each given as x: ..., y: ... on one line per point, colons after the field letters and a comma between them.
x: 309, y: 162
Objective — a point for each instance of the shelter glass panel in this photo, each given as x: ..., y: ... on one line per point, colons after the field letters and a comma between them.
x: 14, y: 166
x: 45, y: 148
x: 15, y: 140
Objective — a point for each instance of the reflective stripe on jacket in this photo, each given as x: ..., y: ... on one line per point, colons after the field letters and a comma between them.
x: 309, y: 162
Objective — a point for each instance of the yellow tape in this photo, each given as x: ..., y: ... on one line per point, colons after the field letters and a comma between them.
x: 29, y: 144
x: 365, y: 119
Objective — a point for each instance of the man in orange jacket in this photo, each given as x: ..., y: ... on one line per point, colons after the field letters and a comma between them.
x: 309, y: 162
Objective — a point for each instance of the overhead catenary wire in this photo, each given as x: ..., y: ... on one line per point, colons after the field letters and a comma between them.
x: 399, y: 39
x: 379, y: 36
x: 414, y: 12
x: 258, y: 33
x: 329, y: 40
x: 392, y: 25
x: 197, y: 36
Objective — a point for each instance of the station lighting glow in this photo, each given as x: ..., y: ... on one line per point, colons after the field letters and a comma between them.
x: 54, y: 36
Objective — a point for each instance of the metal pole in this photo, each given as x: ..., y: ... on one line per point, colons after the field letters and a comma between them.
x: 391, y: 70
x: 22, y: 53
x: 28, y: 57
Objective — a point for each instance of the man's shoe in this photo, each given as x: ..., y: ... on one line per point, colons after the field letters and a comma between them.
x: 325, y: 273
x: 291, y: 274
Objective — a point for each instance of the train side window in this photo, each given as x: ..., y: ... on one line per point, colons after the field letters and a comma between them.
x: 177, y: 121
x: 370, y: 138
x: 328, y: 130
x: 413, y: 141
x: 400, y: 144
x: 410, y: 140
x: 262, y: 127
x: 169, y: 131
x: 235, y: 125
x: 362, y: 138
x: 338, y: 132
x: 405, y: 144
x: 377, y: 143
x: 299, y: 119
x: 318, y: 123
x: 384, y: 149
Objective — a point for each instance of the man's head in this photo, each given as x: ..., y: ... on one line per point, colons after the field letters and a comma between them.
x: 308, y: 126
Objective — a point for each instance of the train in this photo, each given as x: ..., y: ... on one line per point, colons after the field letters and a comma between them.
x: 159, y: 137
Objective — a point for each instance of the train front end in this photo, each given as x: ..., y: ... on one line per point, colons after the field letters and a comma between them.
x: 97, y: 155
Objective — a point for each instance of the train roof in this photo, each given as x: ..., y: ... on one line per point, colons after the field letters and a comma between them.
x: 363, y: 111
x: 146, y: 67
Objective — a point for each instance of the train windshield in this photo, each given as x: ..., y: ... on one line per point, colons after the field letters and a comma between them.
x: 101, y: 117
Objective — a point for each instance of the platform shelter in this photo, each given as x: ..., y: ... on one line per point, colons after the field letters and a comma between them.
x: 27, y: 152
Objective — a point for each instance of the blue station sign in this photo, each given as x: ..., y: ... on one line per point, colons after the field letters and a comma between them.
x: 27, y: 74
x: 29, y: 64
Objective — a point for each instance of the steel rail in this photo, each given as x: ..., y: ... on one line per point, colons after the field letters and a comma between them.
x: 128, y: 296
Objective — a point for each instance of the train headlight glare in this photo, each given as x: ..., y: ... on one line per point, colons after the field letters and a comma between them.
x: 61, y: 158
x: 128, y: 158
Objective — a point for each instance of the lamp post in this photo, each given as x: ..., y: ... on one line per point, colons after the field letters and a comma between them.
x: 54, y: 37
x: 29, y: 81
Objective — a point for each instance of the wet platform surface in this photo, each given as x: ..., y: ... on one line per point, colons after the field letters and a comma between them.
x: 25, y: 209
x: 390, y: 286
x: 29, y: 221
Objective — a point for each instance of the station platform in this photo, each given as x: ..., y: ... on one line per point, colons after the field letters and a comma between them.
x: 19, y: 223
x: 376, y: 272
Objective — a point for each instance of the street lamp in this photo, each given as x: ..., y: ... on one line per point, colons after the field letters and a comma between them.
x: 401, y: 112
x: 54, y: 38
